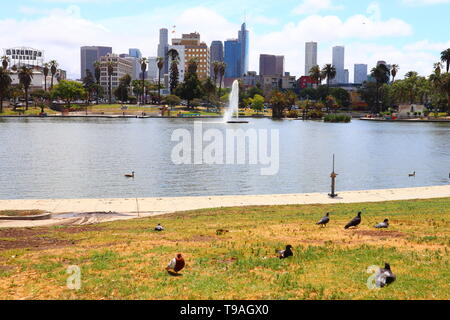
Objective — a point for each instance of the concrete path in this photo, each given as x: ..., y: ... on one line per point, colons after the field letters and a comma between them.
x: 155, y: 206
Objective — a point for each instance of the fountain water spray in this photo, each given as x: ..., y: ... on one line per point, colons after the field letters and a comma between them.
x: 233, y: 105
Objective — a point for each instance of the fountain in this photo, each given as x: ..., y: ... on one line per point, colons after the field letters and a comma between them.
x: 233, y: 106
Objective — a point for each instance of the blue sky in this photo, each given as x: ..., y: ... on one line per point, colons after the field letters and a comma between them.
x: 410, y: 33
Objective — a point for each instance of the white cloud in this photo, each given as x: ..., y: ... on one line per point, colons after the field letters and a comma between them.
x: 424, y: 2
x: 315, y: 6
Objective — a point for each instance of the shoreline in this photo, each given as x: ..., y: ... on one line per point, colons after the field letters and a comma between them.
x: 132, y: 208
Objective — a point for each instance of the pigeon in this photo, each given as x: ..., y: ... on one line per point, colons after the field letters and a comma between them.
x: 283, y: 254
x: 384, y: 276
x: 159, y: 227
x: 383, y: 225
x: 324, y: 221
x: 176, y: 264
x: 355, y: 222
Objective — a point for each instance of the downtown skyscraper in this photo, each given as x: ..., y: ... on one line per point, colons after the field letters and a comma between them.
x: 237, y: 54
x: 216, y: 54
x: 338, y: 63
x: 310, y: 56
x: 90, y: 55
x: 244, y: 40
x: 163, y: 48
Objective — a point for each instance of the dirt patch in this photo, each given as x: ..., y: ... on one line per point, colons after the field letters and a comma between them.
x: 202, y: 238
x: 78, y: 229
x: 19, y: 238
x: 380, y: 233
x: 226, y: 261
x: 21, y: 232
x: 21, y: 213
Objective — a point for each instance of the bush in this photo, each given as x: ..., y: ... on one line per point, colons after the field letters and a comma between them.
x: 337, y: 118
x: 315, y: 114
x: 292, y: 114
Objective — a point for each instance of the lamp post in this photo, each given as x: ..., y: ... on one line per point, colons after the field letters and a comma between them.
x: 333, y: 182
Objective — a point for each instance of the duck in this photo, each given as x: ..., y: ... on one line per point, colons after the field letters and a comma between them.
x: 159, y: 227
x: 283, y: 254
x: 385, y: 276
x: 412, y: 174
x: 176, y: 264
x: 324, y: 221
x: 355, y: 222
x: 383, y: 225
x: 130, y: 175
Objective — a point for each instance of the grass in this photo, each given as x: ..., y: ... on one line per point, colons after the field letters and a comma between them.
x: 32, y: 111
x: 337, y: 118
x: 21, y: 213
x: 126, y: 259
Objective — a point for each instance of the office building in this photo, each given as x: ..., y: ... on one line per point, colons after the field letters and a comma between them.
x: 122, y: 67
x: 195, y: 49
x: 360, y: 73
x: 232, y: 59
x: 136, y: 53
x: 310, y: 56
x: 152, y: 69
x: 271, y: 65
x: 279, y: 65
x: 163, y: 48
x: 346, y: 76
x: 338, y: 63
x: 243, y: 38
x: 90, y: 55
x: 216, y: 54
x: 181, y: 60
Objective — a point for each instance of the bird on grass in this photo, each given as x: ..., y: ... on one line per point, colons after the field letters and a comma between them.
x: 159, y: 227
x: 324, y: 221
x: 383, y: 225
x: 384, y: 276
x: 130, y: 175
x: 355, y: 222
x: 412, y: 174
x: 176, y: 264
x: 283, y: 254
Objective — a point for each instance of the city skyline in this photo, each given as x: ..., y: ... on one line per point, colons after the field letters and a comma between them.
x: 370, y: 31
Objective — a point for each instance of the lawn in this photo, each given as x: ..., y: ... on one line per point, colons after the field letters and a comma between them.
x: 32, y: 111
x: 126, y: 260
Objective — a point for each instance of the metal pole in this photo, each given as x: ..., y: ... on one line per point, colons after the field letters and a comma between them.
x: 333, y: 182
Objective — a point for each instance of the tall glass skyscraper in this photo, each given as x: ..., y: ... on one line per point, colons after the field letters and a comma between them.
x: 360, y: 75
x: 216, y: 54
x: 163, y: 48
x: 338, y: 63
x: 245, y: 46
x: 233, y: 58
x: 310, y: 56
x: 136, y: 53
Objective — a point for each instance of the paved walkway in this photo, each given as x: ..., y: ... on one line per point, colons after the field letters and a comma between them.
x: 155, y: 206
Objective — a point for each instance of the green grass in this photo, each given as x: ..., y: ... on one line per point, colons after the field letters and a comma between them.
x: 21, y: 213
x: 32, y: 111
x: 337, y: 118
x: 126, y: 259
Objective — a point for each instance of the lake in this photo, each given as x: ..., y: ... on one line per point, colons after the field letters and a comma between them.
x: 87, y: 158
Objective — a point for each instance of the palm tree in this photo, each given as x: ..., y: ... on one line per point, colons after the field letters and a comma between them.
x: 5, y: 83
x: 382, y: 75
x: 174, y: 59
x: 160, y: 64
x: 53, y: 70
x: 445, y: 58
x: 143, y: 63
x: 25, y: 78
x: 222, y: 68
x: 329, y: 73
x: 394, y: 71
x: 216, y: 66
x: 97, y: 74
x: 110, y: 66
x: 5, y: 62
x: 46, y: 70
x: 316, y: 74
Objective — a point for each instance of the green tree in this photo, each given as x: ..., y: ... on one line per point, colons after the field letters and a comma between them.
x: 342, y: 97
x: 172, y: 100
x: 5, y: 84
x: 46, y: 71
x: 143, y: 62
x: 394, y: 71
x: 257, y: 103
x: 191, y: 88
x: 68, y: 91
x: 174, y: 73
x: 110, y: 65
x: 89, y: 84
x: 381, y: 74
x: 329, y: 73
x: 25, y: 77
x: 5, y: 62
x: 316, y: 74
x: 279, y: 102
x: 40, y: 97
x: 445, y: 58
x: 53, y: 70
x: 160, y: 65
x: 98, y: 74
x: 121, y: 92
x: 221, y: 70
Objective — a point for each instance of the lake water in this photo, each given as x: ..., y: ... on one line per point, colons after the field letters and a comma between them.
x: 87, y: 158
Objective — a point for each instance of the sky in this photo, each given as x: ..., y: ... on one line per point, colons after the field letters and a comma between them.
x: 410, y: 33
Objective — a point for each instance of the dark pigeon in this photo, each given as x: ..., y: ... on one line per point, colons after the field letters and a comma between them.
x: 355, y: 222
x: 324, y: 221
x: 383, y: 225
x: 283, y: 254
x: 385, y: 276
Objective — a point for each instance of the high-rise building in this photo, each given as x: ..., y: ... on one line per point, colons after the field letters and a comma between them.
x: 271, y: 65
x: 216, y: 54
x: 153, y: 70
x: 163, y: 48
x: 338, y: 63
x: 279, y: 65
x: 243, y: 38
x: 195, y: 49
x: 310, y: 56
x: 122, y: 67
x: 90, y: 55
x: 232, y: 59
x: 360, y: 73
x: 137, y: 73
x: 135, y: 53
x: 346, y: 76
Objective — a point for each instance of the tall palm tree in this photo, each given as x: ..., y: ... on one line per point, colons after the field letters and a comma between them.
x: 98, y: 75
x: 394, y: 71
x: 5, y: 83
x: 216, y: 66
x: 5, y: 62
x: 174, y: 60
x: 445, y: 58
x: 143, y: 62
x: 160, y: 64
x: 437, y: 67
x: 381, y: 74
x: 25, y: 77
x: 110, y: 66
x: 46, y: 70
x: 329, y: 73
x: 316, y: 74
x: 222, y: 68
x: 53, y: 70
